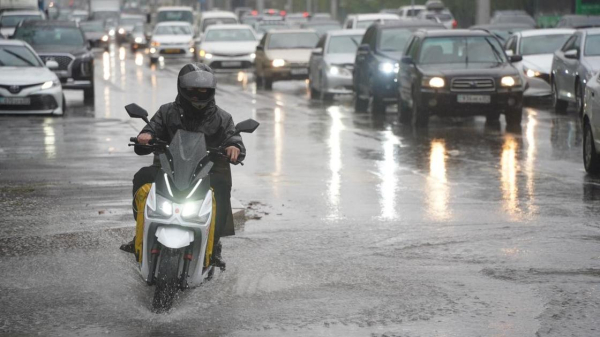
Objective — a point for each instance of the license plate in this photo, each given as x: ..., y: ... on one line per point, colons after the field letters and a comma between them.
x: 231, y: 64
x: 300, y: 71
x: 15, y: 100
x: 172, y: 51
x: 479, y: 99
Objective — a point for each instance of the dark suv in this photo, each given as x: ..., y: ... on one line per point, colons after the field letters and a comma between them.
x: 458, y: 73
x: 65, y: 43
x: 376, y: 63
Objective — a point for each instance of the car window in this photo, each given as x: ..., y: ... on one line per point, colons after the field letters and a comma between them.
x: 46, y: 36
x: 217, y: 21
x: 461, y: 49
x: 185, y: 16
x: 592, y: 45
x: 568, y: 45
x: 173, y: 30
x: 367, y: 37
x: 293, y: 40
x: 17, y: 56
x: 13, y: 20
x: 343, y: 44
x: 395, y: 39
x: 414, y: 48
x: 543, y: 44
x: 222, y: 35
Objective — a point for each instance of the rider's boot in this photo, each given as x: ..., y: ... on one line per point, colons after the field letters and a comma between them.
x: 129, y: 247
x: 216, y: 257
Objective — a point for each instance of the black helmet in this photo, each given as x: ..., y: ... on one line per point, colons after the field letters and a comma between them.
x: 196, y: 84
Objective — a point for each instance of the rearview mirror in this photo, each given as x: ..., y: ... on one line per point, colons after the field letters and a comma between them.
x: 136, y: 111
x: 515, y: 58
x: 247, y: 126
x: 572, y: 54
x: 52, y: 65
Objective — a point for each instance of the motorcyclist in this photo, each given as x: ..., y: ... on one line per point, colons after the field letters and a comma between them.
x: 195, y: 110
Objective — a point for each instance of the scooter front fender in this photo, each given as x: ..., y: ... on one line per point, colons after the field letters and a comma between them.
x: 174, y: 237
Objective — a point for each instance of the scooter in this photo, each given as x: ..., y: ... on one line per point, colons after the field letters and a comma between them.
x: 179, y: 214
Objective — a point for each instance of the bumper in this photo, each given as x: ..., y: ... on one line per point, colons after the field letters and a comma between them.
x: 287, y: 73
x: 446, y: 103
x: 229, y: 63
x: 336, y: 84
x: 172, y: 52
x: 537, y: 87
x: 47, y: 101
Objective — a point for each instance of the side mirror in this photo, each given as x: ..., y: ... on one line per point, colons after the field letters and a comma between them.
x: 136, y: 111
x: 572, y: 54
x: 364, y: 48
x: 259, y: 47
x: 515, y: 58
x: 317, y: 51
x: 509, y: 52
x: 406, y: 60
x: 247, y: 126
x: 52, y: 65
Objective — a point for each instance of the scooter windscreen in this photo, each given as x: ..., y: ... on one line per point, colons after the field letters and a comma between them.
x: 184, y: 160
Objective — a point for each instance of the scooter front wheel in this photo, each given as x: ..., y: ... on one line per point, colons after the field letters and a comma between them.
x: 167, y: 279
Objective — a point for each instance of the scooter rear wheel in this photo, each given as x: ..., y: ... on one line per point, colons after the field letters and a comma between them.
x: 167, y: 279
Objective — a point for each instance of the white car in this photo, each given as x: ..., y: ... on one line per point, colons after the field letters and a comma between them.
x: 407, y: 12
x: 210, y: 18
x: 26, y: 84
x: 537, y: 48
x: 172, y: 40
x: 10, y: 19
x: 363, y: 21
x: 228, y: 47
x: 591, y: 125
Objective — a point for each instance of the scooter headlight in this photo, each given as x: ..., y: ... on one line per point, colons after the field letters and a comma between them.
x: 164, y: 208
x: 191, y: 209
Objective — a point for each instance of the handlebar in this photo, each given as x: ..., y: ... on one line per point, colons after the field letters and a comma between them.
x: 155, y: 144
x: 133, y: 140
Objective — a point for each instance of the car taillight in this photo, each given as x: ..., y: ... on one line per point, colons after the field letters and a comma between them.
x: 305, y: 14
x: 454, y: 24
x: 254, y: 13
x: 282, y: 13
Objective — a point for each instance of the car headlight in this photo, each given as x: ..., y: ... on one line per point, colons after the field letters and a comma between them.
x: 531, y: 73
x: 138, y: 40
x: 510, y: 81
x: 339, y: 71
x: 152, y: 50
x: 111, y: 32
x: 164, y: 208
x: 277, y: 63
x: 155, y: 44
x: 253, y: 56
x: 105, y: 38
x: 121, y: 31
x: 433, y: 82
x: 50, y: 84
x: 388, y: 67
x: 333, y: 70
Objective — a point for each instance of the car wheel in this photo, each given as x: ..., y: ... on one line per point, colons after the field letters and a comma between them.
x: 579, y: 98
x: 88, y: 95
x: 268, y: 82
x: 591, y: 159
x: 404, y: 112
x: 377, y: 105
x: 420, y: 116
x: 560, y: 106
x: 514, y: 116
x: 360, y: 105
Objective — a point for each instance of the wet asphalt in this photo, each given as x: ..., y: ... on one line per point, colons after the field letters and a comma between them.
x: 355, y: 225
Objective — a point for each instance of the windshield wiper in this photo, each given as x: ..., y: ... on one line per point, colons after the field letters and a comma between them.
x: 18, y: 56
x: 496, y: 52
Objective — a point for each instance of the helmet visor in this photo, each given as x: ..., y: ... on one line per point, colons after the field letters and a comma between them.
x: 198, y: 94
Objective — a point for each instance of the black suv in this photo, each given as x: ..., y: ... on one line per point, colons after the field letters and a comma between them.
x: 458, y: 73
x: 65, y: 43
x: 376, y: 63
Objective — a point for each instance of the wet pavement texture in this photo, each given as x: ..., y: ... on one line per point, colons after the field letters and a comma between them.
x: 356, y: 225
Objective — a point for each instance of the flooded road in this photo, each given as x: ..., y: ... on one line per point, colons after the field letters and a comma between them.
x: 356, y: 225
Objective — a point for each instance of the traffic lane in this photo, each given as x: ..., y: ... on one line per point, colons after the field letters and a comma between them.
x: 365, y: 218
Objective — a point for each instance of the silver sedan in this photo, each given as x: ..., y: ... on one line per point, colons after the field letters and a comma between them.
x: 332, y: 62
x: 591, y: 125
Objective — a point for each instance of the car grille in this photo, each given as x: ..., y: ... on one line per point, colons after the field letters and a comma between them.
x: 473, y: 84
x: 15, y: 89
x: 63, y: 60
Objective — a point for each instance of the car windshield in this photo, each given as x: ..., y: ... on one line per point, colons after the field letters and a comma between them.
x: 461, y: 49
x: 131, y: 21
x: 344, y: 44
x: 413, y: 12
x: 138, y: 29
x: 17, y: 56
x: 185, y: 16
x: 505, y: 33
x: 394, y: 39
x: 367, y: 23
x: 543, y: 44
x: 50, y: 36
x: 13, y: 20
x: 266, y: 28
x: 217, y: 21
x: 173, y: 30
x: 103, y: 15
x: 592, y: 45
x: 293, y: 40
x: 222, y: 35
x: 92, y: 26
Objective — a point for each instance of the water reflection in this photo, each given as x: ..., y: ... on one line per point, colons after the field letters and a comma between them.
x: 107, y: 107
x: 279, y: 118
x: 106, y: 65
x: 139, y: 59
x: 49, y: 139
x: 122, y: 53
x: 508, y: 175
x: 335, y: 160
x: 530, y: 163
x: 438, y: 191
x: 389, y: 181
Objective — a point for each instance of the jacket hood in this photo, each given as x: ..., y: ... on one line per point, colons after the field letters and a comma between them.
x: 290, y: 55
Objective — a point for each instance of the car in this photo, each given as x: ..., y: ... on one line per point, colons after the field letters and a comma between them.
x: 321, y: 26
x: 65, y: 43
x: 514, y: 17
x: 444, y: 17
x: 126, y: 24
x: 284, y: 55
x: 578, y: 21
x: 363, y: 21
x: 458, y: 73
x: 175, y: 13
x: 241, y: 11
x: 10, y: 19
x: 572, y: 66
x: 250, y: 18
x: 376, y: 62
x: 537, y: 47
x: 216, y: 18
x: 406, y: 12
x: 263, y: 26
x: 502, y: 30
x: 79, y: 15
x: 27, y: 85
x: 296, y: 18
x: 138, y: 37
x: 591, y: 126
x: 172, y: 39
x: 228, y: 47
x: 332, y: 62
x: 95, y: 33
